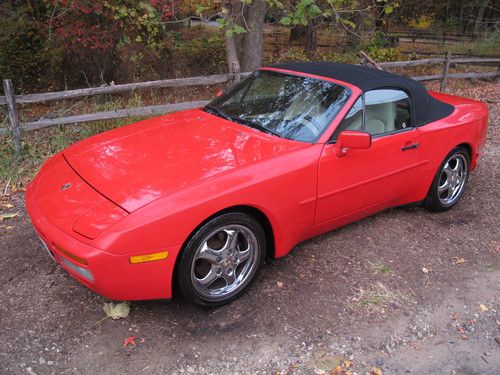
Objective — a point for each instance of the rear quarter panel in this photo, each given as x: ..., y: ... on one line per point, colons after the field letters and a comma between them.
x: 466, y: 125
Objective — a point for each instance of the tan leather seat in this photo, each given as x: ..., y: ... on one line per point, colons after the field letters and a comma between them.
x: 380, y: 118
x: 306, y: 104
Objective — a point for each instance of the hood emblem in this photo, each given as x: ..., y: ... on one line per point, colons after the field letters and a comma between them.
x: 66, y: 186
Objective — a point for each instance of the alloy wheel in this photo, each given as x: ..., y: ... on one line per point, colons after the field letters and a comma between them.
x: 452, y: 179
x: 225, y: 262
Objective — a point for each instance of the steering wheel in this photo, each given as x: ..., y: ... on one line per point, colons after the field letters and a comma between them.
x: 309, y: 123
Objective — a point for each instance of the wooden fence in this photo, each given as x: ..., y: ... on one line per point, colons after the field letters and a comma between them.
x: 424, y: 36
x: 11, y: 100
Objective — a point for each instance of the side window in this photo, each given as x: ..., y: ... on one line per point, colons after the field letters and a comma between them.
x: 386, y: 110
x: 353, y: 120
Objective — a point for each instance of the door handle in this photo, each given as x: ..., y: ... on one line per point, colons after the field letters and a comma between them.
x: 409, y: 147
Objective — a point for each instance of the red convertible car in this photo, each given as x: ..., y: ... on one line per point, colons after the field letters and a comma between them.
x: 195, y: 201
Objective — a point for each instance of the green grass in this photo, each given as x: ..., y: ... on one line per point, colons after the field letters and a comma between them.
x: 39, y: 145
x: 382, y: 268
x: 375, y: 299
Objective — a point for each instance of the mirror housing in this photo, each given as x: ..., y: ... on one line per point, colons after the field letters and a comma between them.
x: 352, y: 139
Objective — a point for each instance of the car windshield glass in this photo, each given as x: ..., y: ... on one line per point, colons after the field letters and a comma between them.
x: 289, y: 106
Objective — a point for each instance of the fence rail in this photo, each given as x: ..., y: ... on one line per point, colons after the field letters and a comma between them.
x: 422, y: 36
x: 11, y: 100
x: 115, y: 89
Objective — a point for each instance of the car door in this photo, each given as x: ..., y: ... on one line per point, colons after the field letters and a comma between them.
x: 376, y: 177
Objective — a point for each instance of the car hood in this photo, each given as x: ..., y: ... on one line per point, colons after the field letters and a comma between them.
x: 136, y: 164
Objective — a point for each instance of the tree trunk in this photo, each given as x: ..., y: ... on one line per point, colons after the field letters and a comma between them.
x: 251, y: 55
x: 233, y: 63
x: 354, y: 37
x: 232, y: 58
x: 461, y: 22
x: 311, y: 37
x: 479, y: 19
x: 297, y: 33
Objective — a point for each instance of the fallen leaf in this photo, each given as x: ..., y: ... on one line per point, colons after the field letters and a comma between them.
x: 347, y: 364
x: 8, y: 216
x: 459, y: 261
x: 425, y: 270
x: 142, y: 340
x: 376, y: 371
x: 8, y: 205
x: 129, y: 341
x: 120, y: 310
x: 483, y: 307
x: 280, y: 284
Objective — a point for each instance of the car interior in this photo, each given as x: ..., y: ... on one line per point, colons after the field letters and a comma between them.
x: 380, y: 116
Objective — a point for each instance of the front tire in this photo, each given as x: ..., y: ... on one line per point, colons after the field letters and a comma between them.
x: 221, y: 259
x: 450, y: 181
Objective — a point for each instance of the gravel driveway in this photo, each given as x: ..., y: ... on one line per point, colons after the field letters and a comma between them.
x: 404, y: 291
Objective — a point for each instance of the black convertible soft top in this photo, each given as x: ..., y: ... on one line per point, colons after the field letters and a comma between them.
x: 425, y: 107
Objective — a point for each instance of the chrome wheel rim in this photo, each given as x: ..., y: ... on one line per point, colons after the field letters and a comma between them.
x: 452, y: 179
x: 225, y: 262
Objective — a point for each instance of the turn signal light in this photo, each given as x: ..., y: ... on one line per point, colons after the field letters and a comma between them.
x: 148, y: 257
x: 71, y: 256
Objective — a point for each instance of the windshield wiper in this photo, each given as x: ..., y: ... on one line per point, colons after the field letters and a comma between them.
x: 258, y: 126
x: 218, y: 112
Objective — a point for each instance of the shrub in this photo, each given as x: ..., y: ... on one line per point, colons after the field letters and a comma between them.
x: 380, y: 48
x: 386, y: 54
x: 203, y: 55
x: 27, y: 55
x: 488, y: 44
x: 294, y: 54
x: 346, y: 57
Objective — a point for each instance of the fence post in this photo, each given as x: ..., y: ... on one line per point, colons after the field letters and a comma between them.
x: 11, y: 110
x: 363, y: 60
x: 236, y: 72
x: 446, y: 69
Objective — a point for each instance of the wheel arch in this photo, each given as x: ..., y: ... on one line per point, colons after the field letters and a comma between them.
x: 258, y: 214
x: 468, y: 148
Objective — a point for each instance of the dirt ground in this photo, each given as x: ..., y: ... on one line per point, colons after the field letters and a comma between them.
x: 404, y: 291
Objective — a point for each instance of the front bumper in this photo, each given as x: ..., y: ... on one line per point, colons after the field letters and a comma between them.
x: 113, y: 275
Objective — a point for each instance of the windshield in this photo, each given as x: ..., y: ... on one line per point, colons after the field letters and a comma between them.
x: 289, y: 106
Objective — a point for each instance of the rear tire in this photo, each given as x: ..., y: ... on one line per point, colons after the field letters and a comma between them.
x: 449, y: 182
x: 221, y: 259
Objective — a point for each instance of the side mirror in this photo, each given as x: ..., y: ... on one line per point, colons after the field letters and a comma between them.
x: 352, y: 139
